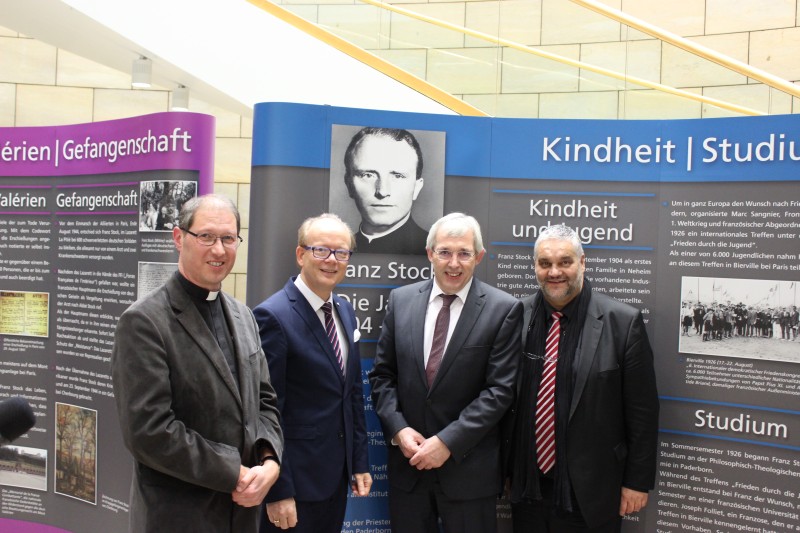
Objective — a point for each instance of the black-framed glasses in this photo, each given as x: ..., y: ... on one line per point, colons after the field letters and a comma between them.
x: 463, y: 256
x: 210, y: 239
x: 545, y: 358
x: 323, y: 252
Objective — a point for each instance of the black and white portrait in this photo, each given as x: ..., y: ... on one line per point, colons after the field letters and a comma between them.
x: 388, y: 184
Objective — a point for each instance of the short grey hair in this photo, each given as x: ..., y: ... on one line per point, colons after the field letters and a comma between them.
x: 560, y: 232
x: 456, y: 225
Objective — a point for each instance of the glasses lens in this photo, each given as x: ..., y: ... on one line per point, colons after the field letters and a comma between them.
x: 342, y: 255
x: 207, y: 239
x: 229, y: 241
x: 320, y: 252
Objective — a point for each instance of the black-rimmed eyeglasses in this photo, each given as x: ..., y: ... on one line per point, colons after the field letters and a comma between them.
x: 323, y: 252
x: 209, y: 239
x: 545, y: 358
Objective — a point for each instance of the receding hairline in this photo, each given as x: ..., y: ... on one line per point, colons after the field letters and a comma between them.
x: 305, y: 227
x: 207, y: 201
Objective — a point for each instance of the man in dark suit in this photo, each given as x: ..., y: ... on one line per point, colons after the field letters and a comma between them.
x: 592, y: 460
x: 383, y: 174
x: 318, y: 382
x: 441, y: 385
x: 195, y: 404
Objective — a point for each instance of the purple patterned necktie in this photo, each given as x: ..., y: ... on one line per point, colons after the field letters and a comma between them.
x: 330, y: 329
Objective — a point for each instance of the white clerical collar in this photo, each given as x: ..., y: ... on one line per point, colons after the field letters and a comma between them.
x: 383, y: 233
x: 212, y: 295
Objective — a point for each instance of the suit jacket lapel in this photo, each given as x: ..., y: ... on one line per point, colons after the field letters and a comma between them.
x: 590, y: 338
x: 418, y: 310
x: 348, y: 322
x: 526, y: 320
x: 349, y: 325
x: 469, y: 316
x: 301, y: 306
x: 237, y: 328
x: 189, y: 317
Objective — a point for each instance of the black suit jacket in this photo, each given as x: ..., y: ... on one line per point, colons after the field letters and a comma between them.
x: 472, y: 390
x: 612, y: 433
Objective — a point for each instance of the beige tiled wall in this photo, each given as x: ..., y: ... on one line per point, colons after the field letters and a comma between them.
x: 44, y: 86
x: 763, y: 33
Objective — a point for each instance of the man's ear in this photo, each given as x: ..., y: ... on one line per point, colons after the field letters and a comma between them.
x: 417, y: 187
x: 177, y: 238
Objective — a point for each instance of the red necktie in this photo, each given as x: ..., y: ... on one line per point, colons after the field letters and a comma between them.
x: 439, y: 338
x: 330, y: 329
x: 545, y: 400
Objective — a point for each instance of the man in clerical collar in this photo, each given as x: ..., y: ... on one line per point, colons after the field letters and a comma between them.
x: 196, y: 407
x: 383, y: 174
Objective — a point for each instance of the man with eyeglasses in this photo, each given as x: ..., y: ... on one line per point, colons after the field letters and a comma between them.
x: 443, y: 378
x: 310, y: 336
x: 585, y: 439
x: 195, y: 404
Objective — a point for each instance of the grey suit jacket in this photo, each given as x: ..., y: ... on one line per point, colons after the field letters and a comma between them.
x: 612, y: 432
x: 187, y: 424
x: 472, y: 390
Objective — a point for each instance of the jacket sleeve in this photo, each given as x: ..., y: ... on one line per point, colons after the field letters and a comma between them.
x: 641, y: 407
x: 360, y: 448
x: 275, y: 347
x: 383, y: 378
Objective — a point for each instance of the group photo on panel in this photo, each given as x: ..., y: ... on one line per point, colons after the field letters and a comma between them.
x: 734, y: 317
x: 253, y: 420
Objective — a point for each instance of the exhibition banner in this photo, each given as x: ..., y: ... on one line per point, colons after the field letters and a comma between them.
x: 694, y: 222
x: 86, y: 218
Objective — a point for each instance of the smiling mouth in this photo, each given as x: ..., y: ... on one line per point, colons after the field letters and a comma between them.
x: 216, y: 263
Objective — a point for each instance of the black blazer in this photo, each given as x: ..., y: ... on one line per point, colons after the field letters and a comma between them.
x: 612, y: 434
x: 471, y: 393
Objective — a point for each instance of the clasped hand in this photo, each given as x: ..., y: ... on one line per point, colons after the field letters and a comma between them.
x: 254, y: 483
x: 422, y: 453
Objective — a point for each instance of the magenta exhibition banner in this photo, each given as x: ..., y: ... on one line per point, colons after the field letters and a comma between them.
x: 695, y: 222
x: 86, y: 217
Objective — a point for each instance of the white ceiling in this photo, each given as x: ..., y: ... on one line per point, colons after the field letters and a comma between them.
x: 228, y: 52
